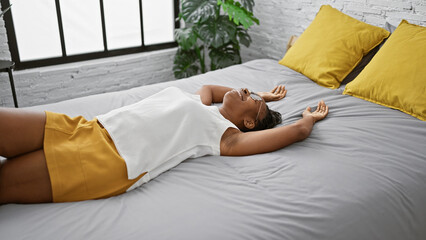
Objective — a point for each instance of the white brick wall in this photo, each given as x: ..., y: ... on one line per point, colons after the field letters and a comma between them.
x: 279, y: 19
x: 57, y: 83
x: 4, y: 48
x: 51, y: 84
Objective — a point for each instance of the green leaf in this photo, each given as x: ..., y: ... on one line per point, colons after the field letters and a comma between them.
x: 238, y: 13
x: 180, y: 17
x: 217, y: 33
x: 224, y: 57
x: 185, y: 37
x: 244, y: 37
x: 196, y: 11
x: 185, y: 64
x: 248, y: 4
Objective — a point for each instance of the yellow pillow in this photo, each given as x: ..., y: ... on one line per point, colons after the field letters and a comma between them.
x: 332, y: 45
x: 396, y: 76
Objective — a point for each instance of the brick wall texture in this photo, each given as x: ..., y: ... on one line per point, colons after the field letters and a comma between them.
x: 279, y: 19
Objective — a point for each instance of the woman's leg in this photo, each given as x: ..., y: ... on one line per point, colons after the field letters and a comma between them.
x: 25, y: 179
x: 21, y: 131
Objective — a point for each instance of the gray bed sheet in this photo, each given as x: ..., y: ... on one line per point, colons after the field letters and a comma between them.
x: 360, y: 175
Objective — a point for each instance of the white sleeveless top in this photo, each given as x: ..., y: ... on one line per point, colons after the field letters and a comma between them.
x: 161, y: 131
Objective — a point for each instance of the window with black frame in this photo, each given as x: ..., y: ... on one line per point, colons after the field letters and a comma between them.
x: 49, y: 32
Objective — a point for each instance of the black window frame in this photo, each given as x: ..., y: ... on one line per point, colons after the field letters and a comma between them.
x: 13, y: 47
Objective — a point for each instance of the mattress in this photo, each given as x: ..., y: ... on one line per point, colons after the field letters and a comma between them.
x: 361, y: 174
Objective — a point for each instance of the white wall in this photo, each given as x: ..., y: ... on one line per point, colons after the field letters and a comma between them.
x: 279, y: 19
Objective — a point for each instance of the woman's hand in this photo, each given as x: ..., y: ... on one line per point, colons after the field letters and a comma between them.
x: 275, y: 94
x: 319, y: 114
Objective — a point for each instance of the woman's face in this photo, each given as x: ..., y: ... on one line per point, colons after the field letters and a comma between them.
x: 244, y: 108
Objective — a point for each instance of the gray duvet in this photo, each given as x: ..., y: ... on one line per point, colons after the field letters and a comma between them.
x: 360, y: 175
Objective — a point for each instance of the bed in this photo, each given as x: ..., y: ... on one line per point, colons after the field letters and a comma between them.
x: 360, y: 175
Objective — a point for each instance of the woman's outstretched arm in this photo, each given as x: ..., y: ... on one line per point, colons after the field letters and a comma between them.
x: 214, y: 94
x: 237, y: 143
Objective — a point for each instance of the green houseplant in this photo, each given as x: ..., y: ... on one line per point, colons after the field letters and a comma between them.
x: 214, y: 28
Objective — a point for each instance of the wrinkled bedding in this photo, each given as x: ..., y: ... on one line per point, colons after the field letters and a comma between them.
x: 360, y: 175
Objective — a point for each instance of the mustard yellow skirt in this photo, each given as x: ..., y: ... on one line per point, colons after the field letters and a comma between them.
x: 82, y: 160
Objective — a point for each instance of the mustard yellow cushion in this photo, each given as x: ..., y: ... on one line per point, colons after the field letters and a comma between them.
x: 396, y: 76
x: 332, y: 45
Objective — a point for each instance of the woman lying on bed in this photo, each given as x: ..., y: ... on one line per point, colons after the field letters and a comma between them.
x: 54, y: 158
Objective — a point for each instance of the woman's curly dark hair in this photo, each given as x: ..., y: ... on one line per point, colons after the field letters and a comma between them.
x: 271, y: 119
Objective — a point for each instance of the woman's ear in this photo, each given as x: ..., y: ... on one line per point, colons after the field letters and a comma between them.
x: 249, y: 123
